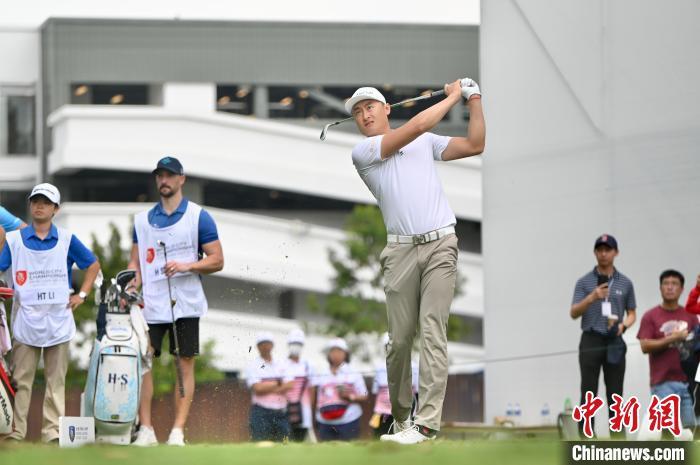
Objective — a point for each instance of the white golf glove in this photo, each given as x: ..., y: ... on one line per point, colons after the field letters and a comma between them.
x: 469, y: 88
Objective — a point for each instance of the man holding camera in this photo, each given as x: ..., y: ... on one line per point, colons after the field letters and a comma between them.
x: 604, y: 299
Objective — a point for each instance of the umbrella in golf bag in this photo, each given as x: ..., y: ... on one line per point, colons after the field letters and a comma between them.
x: 6, y: 391
x: 118, y: 360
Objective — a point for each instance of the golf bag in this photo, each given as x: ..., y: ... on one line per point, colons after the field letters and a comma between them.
x: 7, y: 394
x: 118, y: 360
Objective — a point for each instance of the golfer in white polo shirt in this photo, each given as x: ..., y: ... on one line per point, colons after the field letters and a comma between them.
x: 420, y: 259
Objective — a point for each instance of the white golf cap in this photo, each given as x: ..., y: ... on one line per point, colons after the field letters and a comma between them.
x: 264, y: 336
x: 47, y: 190
x: 337, y: 343
x: 363, y: 93
x: 296, y: 336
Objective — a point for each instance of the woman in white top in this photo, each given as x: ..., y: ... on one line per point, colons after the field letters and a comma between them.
x: 339, y: 388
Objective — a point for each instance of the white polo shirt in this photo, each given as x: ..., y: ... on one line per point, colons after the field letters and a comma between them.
x: 326, y: 383
x: 259, y: 371
x: 406, y: 185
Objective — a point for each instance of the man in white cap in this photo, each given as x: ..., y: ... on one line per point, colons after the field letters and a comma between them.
x: 420, y: 260
x: 300, y: 395
x: 185, y: 233
x: 269, y: 382
x: 41, y: 257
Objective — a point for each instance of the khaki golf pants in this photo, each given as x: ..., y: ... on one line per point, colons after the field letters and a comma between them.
x: 419, y: 286
x: 24, y: 362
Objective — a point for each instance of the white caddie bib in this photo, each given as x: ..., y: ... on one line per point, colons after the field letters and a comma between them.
x: 182, y: 244
x: 41, y: 316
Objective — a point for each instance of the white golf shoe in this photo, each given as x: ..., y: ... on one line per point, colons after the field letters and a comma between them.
x: 411, y: 435
x: 396, y: 427
x: 146, y: 437
x: 176, y: 438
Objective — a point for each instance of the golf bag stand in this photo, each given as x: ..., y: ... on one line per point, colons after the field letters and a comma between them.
x: 117, y: 362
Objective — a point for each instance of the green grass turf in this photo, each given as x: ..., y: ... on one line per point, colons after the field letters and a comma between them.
x: 441, y: 452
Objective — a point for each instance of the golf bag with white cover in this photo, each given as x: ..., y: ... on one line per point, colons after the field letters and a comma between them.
x: 6, y: 391
x: 117, y: 363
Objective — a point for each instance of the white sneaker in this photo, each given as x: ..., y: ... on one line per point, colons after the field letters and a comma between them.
x: 146, y: 437
x: 407, y: 436
x: 176, y: 438
x: 397, y: 427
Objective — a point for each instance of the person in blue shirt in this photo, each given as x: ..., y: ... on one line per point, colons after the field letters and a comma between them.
x: 185, y: 233
x: 8, y: 223
x: 41, y: 257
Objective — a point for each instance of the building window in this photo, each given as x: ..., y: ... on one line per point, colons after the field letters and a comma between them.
x: 300, y: 102
x: 327, y: 102
x: 20, y: 125
x: 233, y: 98
x: 110, y: 94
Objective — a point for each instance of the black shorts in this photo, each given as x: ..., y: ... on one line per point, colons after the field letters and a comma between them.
x: 187, y: 336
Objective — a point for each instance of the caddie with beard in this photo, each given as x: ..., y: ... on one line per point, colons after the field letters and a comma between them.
x: 193, y: 249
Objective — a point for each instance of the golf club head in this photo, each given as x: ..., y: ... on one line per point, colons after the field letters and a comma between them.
x: 124, y: 277
x: 325, y: 130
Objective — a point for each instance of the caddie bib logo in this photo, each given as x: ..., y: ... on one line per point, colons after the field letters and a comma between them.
x: 21, y: 277
x: 150, y: 255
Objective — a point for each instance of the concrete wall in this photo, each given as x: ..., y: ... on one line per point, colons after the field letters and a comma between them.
x: 19, y: 49
x: 593, y: 116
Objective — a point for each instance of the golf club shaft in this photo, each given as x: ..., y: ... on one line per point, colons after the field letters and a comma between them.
x: 178, y: 366
x: 420, y: 97
x: 402, y: 102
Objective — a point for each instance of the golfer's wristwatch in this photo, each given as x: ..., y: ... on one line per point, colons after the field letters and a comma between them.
x: 82, y: 295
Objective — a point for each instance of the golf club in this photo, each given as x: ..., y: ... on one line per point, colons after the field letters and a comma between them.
x: 178, y: 367
x: 402, y: 102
